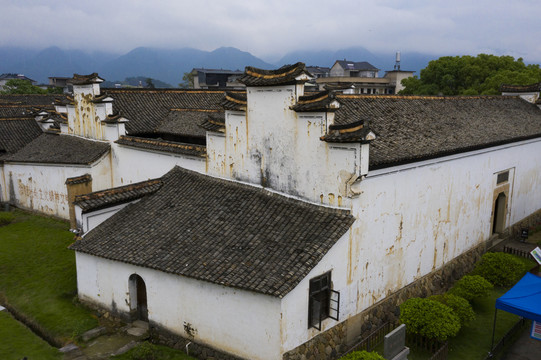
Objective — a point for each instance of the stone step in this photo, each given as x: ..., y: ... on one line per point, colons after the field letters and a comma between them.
x: 94, y: 333
x: 140, y: 324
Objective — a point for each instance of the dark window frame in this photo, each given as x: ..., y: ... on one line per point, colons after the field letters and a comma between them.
x: 323, y: 301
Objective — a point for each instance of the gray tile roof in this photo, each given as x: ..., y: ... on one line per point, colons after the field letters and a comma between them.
x: 220, y: 231
x: 51, y: 148
x: 147, y: 109
x: 413, y: 128
x: 15, y: 133
x: 163, y: 145
x: 184, y: 122
x: 120, y: 195
x: 283, y: 76
x: 356, y: 65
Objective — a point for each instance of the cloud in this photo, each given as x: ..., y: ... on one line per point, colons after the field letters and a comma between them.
x: 265, y: 27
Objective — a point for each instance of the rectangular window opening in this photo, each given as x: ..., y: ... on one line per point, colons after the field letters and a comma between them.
x: 502, y: 177
x: 323, y: 301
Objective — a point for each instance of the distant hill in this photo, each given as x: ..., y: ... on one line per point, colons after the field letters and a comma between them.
x: 169, y: 65
x: 165, y: 65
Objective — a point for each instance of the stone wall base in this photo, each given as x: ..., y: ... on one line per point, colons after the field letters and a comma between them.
x: 335, y: 341
x: 164, y: 337
x: 531, y: 222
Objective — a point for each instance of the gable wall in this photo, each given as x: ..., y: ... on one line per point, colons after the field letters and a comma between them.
x: 236, y: 321
x: 276, y: 147
x: 42, y: 187
x: 412, y: 222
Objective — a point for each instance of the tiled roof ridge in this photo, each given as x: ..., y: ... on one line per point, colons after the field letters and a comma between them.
x: 357, y: 131
x: 277, y: 73
x: 322, y: 101
x: 79, y: 179
x: 234, y: 101
x: 286, y: 75
x: 197, y: 110
x: 117, y: 190
x: 79, y: 79
x: 535, y: 87
x: 239, y: 98
x: 423, y: 97
x: 212, y: 123
x: 160, y: 142
x: 307, y: 99
x: 167, y: 90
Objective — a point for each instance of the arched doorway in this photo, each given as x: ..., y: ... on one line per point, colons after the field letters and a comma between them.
x: 138, y: 297
x: 498, y: 222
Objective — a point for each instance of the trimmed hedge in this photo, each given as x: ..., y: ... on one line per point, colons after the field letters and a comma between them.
x: 471, y: 287
x: 429, y: 318
x: 460, y: 306
x: 362, y: 355
x: 500, y: 269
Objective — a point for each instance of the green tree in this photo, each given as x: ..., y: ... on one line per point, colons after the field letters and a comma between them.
x: 187, y: 81
x: 469, y: 75
x: 149, y: 83
x: 19, y: 86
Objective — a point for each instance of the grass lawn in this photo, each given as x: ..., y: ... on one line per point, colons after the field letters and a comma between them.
x: 18, y: 342
x: 145, y: 350
x: 38, y: 277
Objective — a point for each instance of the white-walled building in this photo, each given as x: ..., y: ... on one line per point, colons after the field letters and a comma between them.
x: 307, y: 214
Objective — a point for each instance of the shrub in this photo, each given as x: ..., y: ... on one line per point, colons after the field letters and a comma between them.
x: 6, y: 218
x: 472, y: 287
x: 460, y: 306
x: 429, y: 318
x: 363, y: 355
x: 500, y: 269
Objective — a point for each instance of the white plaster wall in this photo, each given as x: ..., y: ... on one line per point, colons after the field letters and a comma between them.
x: 276, y: 147
x: 42, y: 188
x: 3, y: 185
x: 133, y: 165
x: 240, y: 322
x: 411, y: 222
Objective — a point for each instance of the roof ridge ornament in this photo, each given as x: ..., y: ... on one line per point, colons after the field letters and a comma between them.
x: 285, y: 75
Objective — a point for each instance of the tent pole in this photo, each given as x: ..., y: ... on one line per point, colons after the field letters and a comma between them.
x: 493, y: 332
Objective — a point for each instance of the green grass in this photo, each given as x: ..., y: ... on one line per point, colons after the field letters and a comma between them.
x: 17, y: 341
x: 38, y: 276
x: 158, y: 352
x: 462, y: 346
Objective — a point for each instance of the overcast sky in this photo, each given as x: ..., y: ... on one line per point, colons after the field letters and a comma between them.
x: 271, y: 28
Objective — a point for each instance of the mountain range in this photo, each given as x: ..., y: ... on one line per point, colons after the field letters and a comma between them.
x: 169, y: 65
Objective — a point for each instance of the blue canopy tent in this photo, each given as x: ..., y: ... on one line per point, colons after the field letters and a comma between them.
x: 523, y: 299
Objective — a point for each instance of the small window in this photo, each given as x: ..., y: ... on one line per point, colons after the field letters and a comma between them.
x: 502, y: 177
x: 323, y: 302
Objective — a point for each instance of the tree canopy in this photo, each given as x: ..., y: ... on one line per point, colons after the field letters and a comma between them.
x: 469, y: 75
x: 20, y: 86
